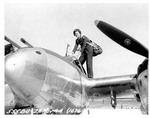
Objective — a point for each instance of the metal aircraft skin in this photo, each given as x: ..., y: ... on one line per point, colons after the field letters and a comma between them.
x: 41, y: 79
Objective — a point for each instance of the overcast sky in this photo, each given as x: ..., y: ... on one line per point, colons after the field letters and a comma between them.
x: 51, y: 25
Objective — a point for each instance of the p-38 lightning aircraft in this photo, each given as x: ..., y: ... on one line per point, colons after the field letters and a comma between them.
x: 41, y: 79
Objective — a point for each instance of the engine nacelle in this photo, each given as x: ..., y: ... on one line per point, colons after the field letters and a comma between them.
x: 142, y: 85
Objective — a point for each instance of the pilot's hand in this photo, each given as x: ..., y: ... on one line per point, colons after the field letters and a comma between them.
x: 77, y: 54
x: 73, y: 58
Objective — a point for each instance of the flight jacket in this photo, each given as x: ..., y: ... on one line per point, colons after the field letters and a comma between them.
x: 84, y: 46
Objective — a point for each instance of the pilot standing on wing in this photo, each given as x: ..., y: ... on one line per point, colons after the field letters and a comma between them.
x: 86, y: 51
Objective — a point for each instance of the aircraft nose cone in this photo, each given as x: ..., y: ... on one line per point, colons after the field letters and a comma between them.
x: 25, y: 72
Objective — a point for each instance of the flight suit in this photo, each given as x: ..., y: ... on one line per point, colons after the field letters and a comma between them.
x: 86, y: 54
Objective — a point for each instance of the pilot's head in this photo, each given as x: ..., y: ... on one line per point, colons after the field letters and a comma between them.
x: 77, y: 33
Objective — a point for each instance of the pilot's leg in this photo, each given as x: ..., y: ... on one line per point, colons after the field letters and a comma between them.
x: 82, y: 58
x: 89, y: 63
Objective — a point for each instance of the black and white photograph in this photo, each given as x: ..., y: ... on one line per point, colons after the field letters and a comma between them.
x: 63, y: 58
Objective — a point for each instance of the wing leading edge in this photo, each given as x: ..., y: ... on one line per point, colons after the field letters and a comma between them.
x: 110, y: 87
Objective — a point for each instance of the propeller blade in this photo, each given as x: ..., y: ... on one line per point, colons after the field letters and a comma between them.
x: 122, y: 38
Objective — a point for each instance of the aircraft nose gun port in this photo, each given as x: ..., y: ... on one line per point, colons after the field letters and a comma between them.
x: 25, y: 73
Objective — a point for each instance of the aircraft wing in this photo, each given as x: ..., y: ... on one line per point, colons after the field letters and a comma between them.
x: 104, y: 86
x: 113, y: 91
